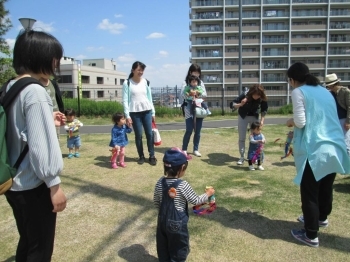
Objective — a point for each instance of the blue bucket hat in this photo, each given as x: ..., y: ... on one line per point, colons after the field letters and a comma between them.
x: 174, y: 157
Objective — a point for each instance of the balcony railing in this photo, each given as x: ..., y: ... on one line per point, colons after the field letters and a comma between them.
x: 207, y: 42
x: 337, y: 64
x: 273, y: 79
x: 244, y: 15
x: 208, y: 55
x: 276, y: 2
x: 309, y: 1
x: 339, y: 52
x: 340, y: 1
x: 339, y: 26
x: 309, y: 13
x: 207, y: 16
x: 275, y: 40
x: 339, y: 13
x: 279, y: 14
x: 211, y: 67
x: 275, y: 53
x: 340, y: 39
x: 208, y: 3
x: 274, y: 66
x: 275, y: 27
x: 214, y: 28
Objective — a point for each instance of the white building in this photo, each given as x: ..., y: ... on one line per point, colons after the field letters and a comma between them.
x: 99, y: 79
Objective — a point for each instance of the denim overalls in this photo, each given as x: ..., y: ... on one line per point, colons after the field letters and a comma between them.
x: 172, y: 232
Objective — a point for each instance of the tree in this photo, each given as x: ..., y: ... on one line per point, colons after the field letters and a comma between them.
x: 6, y: 69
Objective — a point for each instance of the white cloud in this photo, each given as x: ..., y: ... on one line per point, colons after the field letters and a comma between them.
x: 115, y: 28
x: 80, y: 57
x: 163, y: 53
x: 118, y: 15
x: 126, y: 58
x: 166, y: 74
x: 155, y: 35
x: 94, y: 49
x: 41, y: 26
x: 11, y: 42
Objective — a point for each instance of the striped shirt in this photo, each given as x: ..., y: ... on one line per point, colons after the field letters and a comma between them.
x: 184, y: 193
x: 31, y: 122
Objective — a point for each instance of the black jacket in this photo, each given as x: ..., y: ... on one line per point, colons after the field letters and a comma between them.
x: 251, y: 108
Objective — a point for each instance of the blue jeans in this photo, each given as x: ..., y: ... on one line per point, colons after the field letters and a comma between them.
x: 139, y: 120
x: 188, y: 133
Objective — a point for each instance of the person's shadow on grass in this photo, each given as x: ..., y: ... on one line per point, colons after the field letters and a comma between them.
x: 136, y: 253
x: 342, y: 187
x: 218, y: 159
x: 10, y: 259
x: 266, y: 228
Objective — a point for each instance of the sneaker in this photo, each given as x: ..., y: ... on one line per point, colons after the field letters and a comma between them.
x: 122, y: 164
x: 77, y: 154
x: 301, y: 236
x: 141, y: 160
x: 261, y: 168
x: 114, y: 165
x: 251, y: 168
x: 196, y: 153
x: 70, y: 155
x: 152, y: 160
x: 189, y: 157
x: 320, y: 223
x: 240, y: 161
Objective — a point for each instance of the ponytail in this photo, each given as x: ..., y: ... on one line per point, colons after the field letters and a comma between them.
x: 311, y: 80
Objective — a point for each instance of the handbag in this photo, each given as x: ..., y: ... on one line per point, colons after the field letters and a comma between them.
x: 157, y: 140
x: 201, y: 112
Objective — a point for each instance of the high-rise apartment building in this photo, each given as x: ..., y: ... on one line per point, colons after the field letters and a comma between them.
x: 275, y: 34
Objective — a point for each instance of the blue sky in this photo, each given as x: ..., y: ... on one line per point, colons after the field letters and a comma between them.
x: 154, y: 32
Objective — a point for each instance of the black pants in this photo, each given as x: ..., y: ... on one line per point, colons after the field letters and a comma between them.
x: 36, y: 223
x: 316, y: 199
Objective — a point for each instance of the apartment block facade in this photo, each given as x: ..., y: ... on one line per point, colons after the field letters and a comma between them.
x: 275, y: 34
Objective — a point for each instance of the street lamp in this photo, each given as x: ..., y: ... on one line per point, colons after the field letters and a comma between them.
x: 27, y: 23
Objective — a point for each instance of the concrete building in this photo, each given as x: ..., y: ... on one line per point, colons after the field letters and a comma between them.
x: 99, y: 79
x: 275, y: 34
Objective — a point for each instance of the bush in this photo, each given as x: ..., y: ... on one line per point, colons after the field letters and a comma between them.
x: 94, y: 108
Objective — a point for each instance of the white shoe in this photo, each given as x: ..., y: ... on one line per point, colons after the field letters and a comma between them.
x: 251, y: 168
x: 196, y: 153
x: 240, y: 161
x: 261, y: 168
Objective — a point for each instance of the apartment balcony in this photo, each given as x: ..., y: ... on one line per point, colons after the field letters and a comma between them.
x: 275, y: 53
x: 275, y: 40
x: 244, y: 54
x: 211, y: 67
x: 244, y: 41
x: 340, y: 39
x: 309, y: 53
x: 276, y: 2
x: 274, y: 79
x: 244, y: 80
x: 339, y: 13
x: 309, y: 1
x: 316, y: 66
x: 339, y: 26
x: 208, y: 55
x: 214, y: 15
x: 272, y: 66
x: 245, y: 2
x: 309, y: 27
x: 340, y: 1
x: 274, y: 28
x: 270, y: 14
x: 309, y: 13
x: 206, y: 3
x: 339, y: 65
x: 244, y: 28
x: 245, y: 67
x: 207, y: 42
x: 339, y: 52
x: 207, y: 29
x: 308, y: 40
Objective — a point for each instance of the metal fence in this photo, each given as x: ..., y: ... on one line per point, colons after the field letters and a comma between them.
x: 170, y: 97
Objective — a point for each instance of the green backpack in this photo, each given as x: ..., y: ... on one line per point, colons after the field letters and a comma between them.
x: 7, y: 172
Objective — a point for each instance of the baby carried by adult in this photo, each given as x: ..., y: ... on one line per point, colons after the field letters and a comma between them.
x: 193, y: 91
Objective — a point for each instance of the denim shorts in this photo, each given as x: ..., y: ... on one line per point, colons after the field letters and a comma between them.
x: 73, y: 142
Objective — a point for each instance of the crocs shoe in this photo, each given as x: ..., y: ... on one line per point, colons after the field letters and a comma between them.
x: 70, y: 155
x: 77, y: 154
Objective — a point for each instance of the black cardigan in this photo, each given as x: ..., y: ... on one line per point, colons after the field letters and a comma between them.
x: 251, y: 108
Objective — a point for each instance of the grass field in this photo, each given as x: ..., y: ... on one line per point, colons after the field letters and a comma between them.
x: 110, y: 214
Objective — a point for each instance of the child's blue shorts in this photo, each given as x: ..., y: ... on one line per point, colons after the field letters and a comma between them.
x: 73, y: 142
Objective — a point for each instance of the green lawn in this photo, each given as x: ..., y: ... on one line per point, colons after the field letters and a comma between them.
x: 110, y: 214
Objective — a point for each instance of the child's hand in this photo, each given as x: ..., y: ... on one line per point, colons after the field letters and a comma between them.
x: 117, y: 147
x: 192, y: 93
x: 209, y: 191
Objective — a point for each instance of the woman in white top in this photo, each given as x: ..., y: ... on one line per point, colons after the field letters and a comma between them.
x: 139, y: 110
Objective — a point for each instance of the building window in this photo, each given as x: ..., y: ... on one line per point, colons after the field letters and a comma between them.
x: 67, y: 94
x: 116, y: 93
x: 115, y: 81
x: 86, y: 94
x: 100, y: 94
x: 121, y: 81
x: 63, y: 79
x: 85, y: 79
x: 100, y: 80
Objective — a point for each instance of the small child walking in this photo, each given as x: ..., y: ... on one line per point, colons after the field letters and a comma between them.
x: 171, y: 197
x: 119, y: 140
x: 73, y: 137
x: 192, y: 91
x: 255, y: 151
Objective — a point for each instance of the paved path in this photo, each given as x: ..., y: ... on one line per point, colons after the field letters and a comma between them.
x: 106, y: 129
